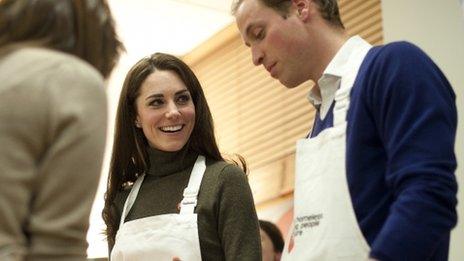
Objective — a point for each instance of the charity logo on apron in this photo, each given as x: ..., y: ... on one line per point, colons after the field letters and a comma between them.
x: 162, y: 237
x: 324, y: 224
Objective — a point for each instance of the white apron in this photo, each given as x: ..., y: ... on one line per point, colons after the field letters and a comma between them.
x: 162, y: 237
x: 324, y: 224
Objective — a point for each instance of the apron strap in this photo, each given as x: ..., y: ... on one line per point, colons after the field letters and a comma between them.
x: 131, y: 198
x: 189, y: 202
x: 342, y: 95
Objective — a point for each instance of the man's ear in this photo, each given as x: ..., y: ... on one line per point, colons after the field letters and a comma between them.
x: 302, y: 9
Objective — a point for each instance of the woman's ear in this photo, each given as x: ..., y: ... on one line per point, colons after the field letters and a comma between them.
x: 137, y: 123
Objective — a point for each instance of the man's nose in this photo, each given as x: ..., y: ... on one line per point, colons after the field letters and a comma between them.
x: 257, y: 55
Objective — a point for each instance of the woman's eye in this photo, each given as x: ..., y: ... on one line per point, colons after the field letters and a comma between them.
x: 183, y: 99
x: 156, y: 102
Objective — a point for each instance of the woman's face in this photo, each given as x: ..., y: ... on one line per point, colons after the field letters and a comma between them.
x: 165, y: 111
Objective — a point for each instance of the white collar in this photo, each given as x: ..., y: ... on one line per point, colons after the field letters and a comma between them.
x: 331, y: 78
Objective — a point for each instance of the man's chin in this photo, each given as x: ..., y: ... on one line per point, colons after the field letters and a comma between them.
x: 293, y: 83
x: 288, y: 84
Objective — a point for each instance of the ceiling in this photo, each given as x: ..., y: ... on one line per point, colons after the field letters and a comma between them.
x: 172, y: 26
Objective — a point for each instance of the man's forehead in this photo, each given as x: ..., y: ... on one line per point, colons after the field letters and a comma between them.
x: 248, y: 8
x: 249, y: 13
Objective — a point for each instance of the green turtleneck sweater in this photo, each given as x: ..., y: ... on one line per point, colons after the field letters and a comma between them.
x: 227, y: 223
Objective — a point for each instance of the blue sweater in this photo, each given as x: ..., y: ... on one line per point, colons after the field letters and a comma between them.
x: 400, y: 154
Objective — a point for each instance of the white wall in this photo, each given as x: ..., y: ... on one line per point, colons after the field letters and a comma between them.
x: 438, y: 28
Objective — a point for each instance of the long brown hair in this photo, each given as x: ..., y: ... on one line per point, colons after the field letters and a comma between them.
x: 130, y: 157
x: 84, y: 28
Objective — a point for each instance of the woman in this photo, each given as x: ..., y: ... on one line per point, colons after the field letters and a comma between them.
x: 54, y: 55
x: 164, y: 133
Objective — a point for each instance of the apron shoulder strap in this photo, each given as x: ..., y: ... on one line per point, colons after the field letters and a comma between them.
x: 131, y: 198
x: 342, y: 95
x: 189, y: 202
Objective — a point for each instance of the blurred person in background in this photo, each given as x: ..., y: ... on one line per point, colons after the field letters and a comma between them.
x: 54, y: 57
x: 272, y: 241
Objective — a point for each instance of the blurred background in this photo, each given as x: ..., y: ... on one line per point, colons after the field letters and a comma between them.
x: 254, y: 115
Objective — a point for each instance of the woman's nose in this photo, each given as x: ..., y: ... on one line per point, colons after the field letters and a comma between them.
x: 172, y: 111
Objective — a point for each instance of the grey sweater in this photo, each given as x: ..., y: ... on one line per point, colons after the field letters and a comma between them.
x: 52, y: 139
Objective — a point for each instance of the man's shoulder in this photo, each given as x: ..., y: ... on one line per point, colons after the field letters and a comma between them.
x: 398, y: 46
x: 394, y: 58
x: 396, y: 51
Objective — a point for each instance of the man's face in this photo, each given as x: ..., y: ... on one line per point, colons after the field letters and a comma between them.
x: 277, y: 43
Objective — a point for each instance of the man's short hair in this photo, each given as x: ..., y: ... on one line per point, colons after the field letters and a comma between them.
x: 327, y: 8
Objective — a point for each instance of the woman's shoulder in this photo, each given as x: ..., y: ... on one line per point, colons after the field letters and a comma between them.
x: 70, y: 66
x: 44, y: 57
x: 224, y: 167
x: 223, y: 181
x: 50, y: 68
x: 223, y: 171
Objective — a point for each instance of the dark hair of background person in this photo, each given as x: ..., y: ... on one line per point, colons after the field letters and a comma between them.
x: 130, y: 157
x: 274, y: 234
x: 84, y: 28
x: 327, y: 8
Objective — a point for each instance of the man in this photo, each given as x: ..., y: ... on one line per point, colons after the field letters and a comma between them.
x: 376, y: 176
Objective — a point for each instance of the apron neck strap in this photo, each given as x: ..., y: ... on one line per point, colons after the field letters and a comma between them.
x: 342, y: 95
x: 189, y: 202
x: 131, y: 198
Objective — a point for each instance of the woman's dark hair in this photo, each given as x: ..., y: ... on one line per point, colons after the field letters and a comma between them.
x: 84, y: 28
x: 274, y: 234
x: 130, y: 157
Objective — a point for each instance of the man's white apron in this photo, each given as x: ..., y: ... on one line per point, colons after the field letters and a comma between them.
x: 324, y: 223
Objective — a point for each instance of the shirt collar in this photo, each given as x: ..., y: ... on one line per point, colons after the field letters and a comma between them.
x: 330, y: 79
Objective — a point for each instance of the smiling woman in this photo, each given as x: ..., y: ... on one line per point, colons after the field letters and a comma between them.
x: 166, y: 169
x: 165, y: 111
